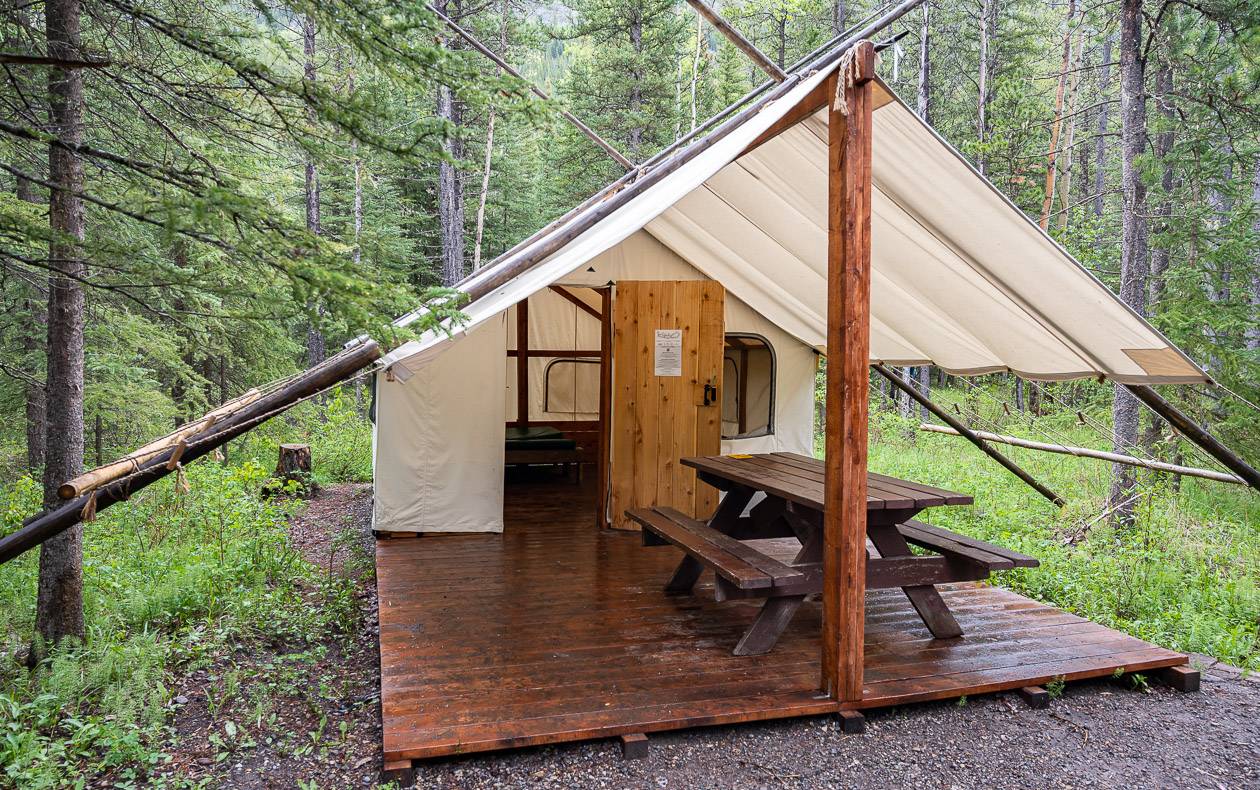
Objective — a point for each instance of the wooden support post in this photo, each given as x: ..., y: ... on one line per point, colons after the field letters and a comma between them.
x: 576, y: 300
x: 1195, y: 433
x: 605, y: 405
x: 971, y: 436
x: 852, y: 722
x: 1183, y: 678
x: 401, y: 772
x: 848, y: 354
x: 1035, y: 697
x: 522, y: 363
x: 634, y: 746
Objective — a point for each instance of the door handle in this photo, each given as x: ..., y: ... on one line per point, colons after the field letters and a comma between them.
x: 710, y: 394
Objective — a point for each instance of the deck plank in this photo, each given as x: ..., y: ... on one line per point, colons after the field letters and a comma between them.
x: 555, y: 632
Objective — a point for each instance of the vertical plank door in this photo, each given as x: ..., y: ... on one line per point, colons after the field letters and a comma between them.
x: 659, y: 414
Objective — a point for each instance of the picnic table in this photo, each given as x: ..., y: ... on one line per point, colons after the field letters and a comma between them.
x: 791, y: 505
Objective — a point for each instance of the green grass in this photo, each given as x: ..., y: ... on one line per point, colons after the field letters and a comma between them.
x: 1186, y: 575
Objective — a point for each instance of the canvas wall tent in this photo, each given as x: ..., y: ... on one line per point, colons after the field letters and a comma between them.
x: 961, y: 279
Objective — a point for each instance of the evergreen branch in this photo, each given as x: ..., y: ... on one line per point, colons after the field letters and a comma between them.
x: 20, y: 375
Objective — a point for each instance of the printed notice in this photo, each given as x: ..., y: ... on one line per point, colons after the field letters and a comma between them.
x: 669, y: 352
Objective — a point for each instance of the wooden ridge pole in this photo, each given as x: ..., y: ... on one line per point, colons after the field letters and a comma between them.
x: 43, y: 526
x: 735, y: 37
x: 970, y: 435
x: 1195, y: 433
x: 1089, y: 452
x: 848, y: 352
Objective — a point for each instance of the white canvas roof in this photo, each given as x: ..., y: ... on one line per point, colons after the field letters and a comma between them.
x: 961, y: 278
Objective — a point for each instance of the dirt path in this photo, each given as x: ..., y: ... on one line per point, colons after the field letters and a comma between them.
x: 1095, y: 735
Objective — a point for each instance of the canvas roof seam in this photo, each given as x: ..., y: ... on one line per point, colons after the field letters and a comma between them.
x: 1032, y: 313
x: 961, y: 331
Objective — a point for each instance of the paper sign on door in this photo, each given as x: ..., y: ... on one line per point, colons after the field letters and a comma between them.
x: 668, y: 352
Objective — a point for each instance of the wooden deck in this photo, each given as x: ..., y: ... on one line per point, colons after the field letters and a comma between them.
x: 554, y: 632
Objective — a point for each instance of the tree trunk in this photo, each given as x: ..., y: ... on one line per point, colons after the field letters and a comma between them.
x: 1161, y: 253
x: 59, y: 608
x: 1253, y: 329
x: 489, y: 158
x: 634, y: 140
x: 316, y: 347
x: 988, y: 19
x: 33, y: 333
x: 840, y: 17
x: 905, y: 401
x: 695, y: 67
x: 450, y: 185
x: 925, y: 68
x: 925, y: 386
x: 1100, y: 140
x: 1060, y: 92
x: 1133, y: 256
x: 1069, y: 136
x: 357, y: 201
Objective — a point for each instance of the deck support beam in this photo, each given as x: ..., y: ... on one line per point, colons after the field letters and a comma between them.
x: 634, y: 746
x: 848, y: 354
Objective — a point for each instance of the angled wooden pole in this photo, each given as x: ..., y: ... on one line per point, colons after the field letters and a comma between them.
x: 969, y: 434
x: 1195, y: 433
x: 476, y: 44
x: 39, y: 528
x: 848, y: 353
x: 735, y: 37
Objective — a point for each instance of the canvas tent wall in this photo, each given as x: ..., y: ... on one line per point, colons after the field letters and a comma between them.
x: 961, y: 278
x: 438, y: 442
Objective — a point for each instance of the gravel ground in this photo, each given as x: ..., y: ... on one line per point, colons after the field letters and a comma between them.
x: 1095, y: 735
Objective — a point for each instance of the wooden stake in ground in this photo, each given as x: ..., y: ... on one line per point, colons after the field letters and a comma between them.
x: 848, y: 352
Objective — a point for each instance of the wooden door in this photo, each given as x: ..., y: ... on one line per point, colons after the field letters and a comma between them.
x: 667, y: 380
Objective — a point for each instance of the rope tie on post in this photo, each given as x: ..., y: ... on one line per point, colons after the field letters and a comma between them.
x: 846, y: 77
x: 88, y: 514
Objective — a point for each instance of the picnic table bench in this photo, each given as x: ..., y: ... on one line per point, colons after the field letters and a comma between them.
x: 793, y: 507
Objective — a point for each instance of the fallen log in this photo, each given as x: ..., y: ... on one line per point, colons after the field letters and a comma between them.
x: 95, y: 478
x: 969, y: 434
x: 1087, y: 452
x: 43, y: 526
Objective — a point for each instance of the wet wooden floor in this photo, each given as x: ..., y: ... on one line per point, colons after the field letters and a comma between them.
x: 555, y: 632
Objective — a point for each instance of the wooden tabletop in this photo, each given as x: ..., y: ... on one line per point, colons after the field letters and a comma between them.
x: 799, y: 478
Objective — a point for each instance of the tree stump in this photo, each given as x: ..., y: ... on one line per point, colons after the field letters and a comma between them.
x: 294, y: 467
